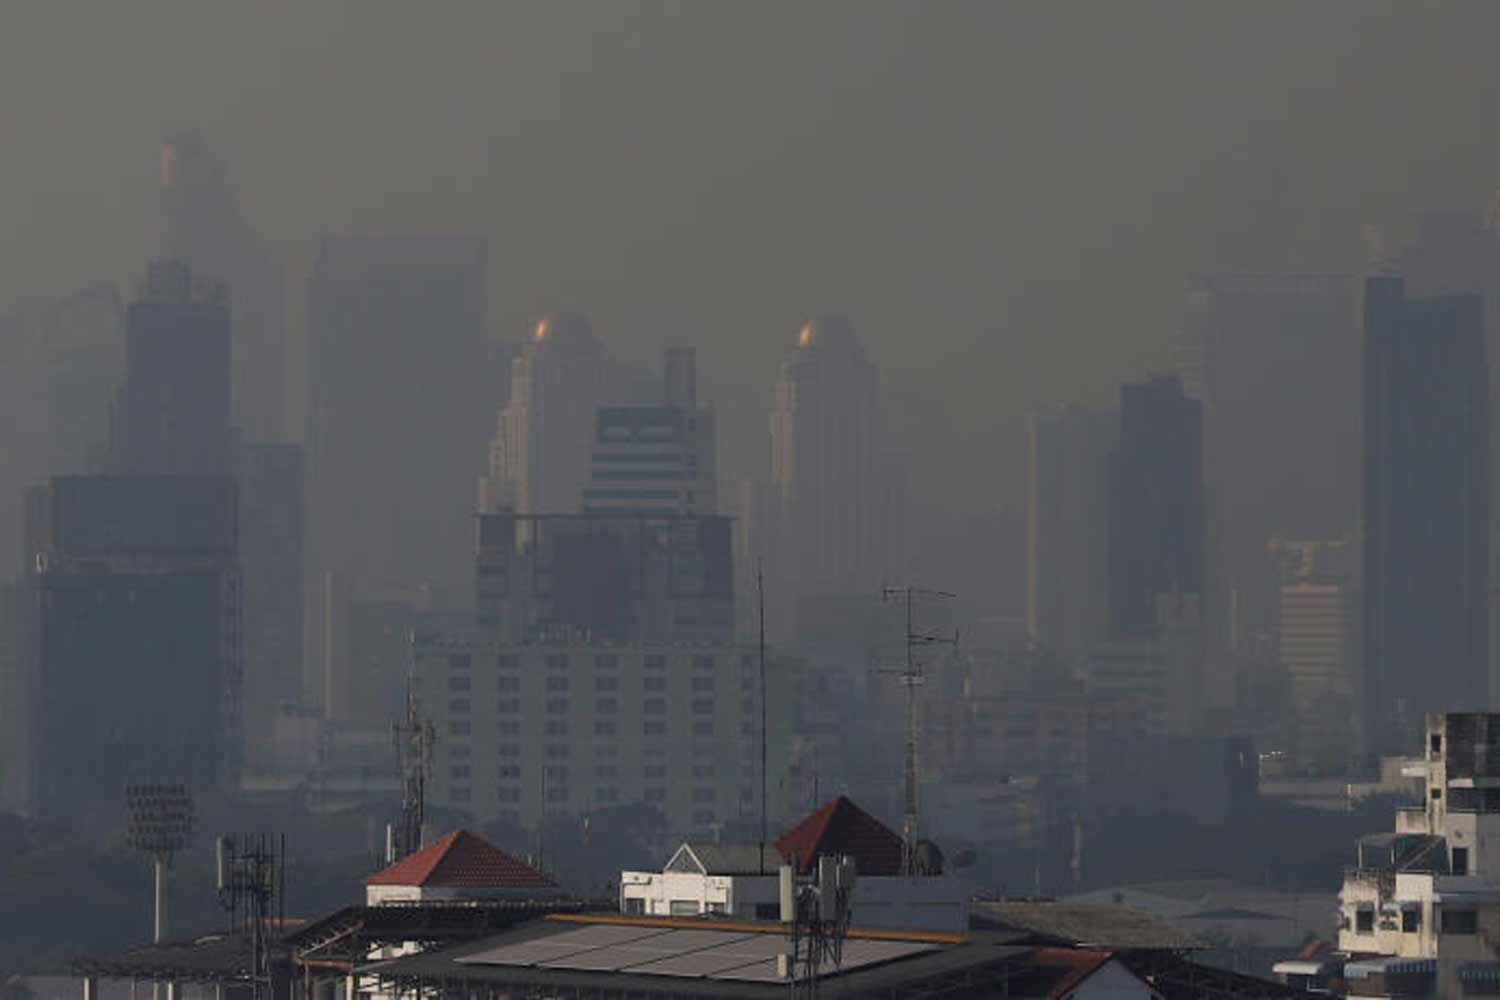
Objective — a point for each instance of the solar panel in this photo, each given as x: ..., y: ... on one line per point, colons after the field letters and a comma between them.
x: 539, y: 951
x: 755, y: 947
x: 856, y: 954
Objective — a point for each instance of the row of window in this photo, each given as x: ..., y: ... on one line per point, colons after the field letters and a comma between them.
x: 603, y: 661
x: 560, y: 682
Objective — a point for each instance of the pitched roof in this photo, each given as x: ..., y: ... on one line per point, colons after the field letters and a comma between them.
x: 1084, y: 925
x: 463, y: 860
x: 1072, y: 966
x: 736, y: 859
x: 841, y: 827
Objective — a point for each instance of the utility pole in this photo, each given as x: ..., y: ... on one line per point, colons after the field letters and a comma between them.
x: 911, y: 678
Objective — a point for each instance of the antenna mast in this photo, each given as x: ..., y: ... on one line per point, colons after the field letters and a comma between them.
x: 414, y: 739
x: 911, y: 678
x: 760, y: 588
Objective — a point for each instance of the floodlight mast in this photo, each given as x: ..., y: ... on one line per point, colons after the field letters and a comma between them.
x: 162, y: 819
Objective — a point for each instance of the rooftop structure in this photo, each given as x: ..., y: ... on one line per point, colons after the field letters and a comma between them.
x: 458, y: 866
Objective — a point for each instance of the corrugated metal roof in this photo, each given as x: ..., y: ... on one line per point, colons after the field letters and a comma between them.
x: 1119, y: 928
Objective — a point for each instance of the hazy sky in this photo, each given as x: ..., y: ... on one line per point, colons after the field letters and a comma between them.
x: 1004, y: 196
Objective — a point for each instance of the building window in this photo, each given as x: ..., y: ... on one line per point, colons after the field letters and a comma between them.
x: 459, y: 662
x: 458, y: 728
x: 654, y: 727
x: 656, y: 771
x: 635, y: 906
x: 556, y: 793
x: 703, y: 706
x: 684, y: 908
x: 459, y: 773
x: 459, y: 751
x: 510, y: 771
x: 509, y: 727
x: 767, y: 911
x: 556, y: 662
x: 606, y: 728
x: 705, y: 795
x: 508, y: 683
x: 458, y: 683
x: 508, y: 750
x: 1364, y: 920
x: 508, y: 706
x: 557, y: 682
x: 1463, y: 921
x: 507, y: 662
x: 656, y: 750
x: 607, y: 795
x: 555, y: 750
x: 610, y: 662
x: 703, y: 683
x: 459, y: 706
x: 460, y: 795
x: 509, y: 794
x: 656, y: 662
x: 703, y: 817
x: 557, y: 706
x: 655, y: 795
x: 1436, y: 794
x: 606, y: 683
x: 606, y: 706
x: 555, y: 727
x: 511, y: 816
x: 1411, y: 919
x: 654, y: 706
x: 606, y: 772
x: 705, y: 771
x: 703, y: 663
x: 1460, y: 861
x: 703, y: 729
x: 654, y: 683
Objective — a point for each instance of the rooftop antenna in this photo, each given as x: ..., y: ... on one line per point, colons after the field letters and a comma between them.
x: 760, y: 588
x: 250, y: 876
x: 414, y: 738
x: 911, y: 678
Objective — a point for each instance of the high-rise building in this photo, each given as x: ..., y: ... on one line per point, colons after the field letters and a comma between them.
x: 172, y: 413
x: 1316, y: 638
x: 1274, y: 360
x: 659, y: 458
x: 270, y: 478
x: 830, y: 470
x: 1426, y: 510
x: 1155, y: 504
x: 539, y: 456
x: 1067, y: 518
x: 657, y: 578
x: 396, y: 330
x: 571, y: 726
x: 202, y: 225
x: 132, y: 617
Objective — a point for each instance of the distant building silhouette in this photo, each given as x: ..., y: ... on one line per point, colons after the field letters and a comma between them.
x: 132, y: 623
x: 1067, y: 517
x: 825, y: 525
x: 656, y: 458
x: 396, y: 330
x: 1274, y: 360
x: 1317, y: 638
x: 1426, y: 510
x: 202, y: 225
x: 1156, y: 504
x: 172, y: 413
x: 539, y: 457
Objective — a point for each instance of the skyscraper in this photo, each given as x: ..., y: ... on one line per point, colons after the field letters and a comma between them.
x: 172, y: 413
x: 1155, y: 504
x: 1426, y: 510
x: 829, y: 466
x: 202, y: 225
x: 1067, y: 517
x: 539, y: 457
x: 396, y: 426
x: 1275, y: 361
x: 656, y: 458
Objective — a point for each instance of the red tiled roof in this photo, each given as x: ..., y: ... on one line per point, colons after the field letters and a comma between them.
x: 841, y: 827
x: 464, y: 860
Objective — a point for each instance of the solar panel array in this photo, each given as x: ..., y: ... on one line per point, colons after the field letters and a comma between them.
x: 697, y: 954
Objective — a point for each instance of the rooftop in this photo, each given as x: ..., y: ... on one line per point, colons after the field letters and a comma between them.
x: 1083, y: 925
x: 841, y: 827
x: 462, y: 860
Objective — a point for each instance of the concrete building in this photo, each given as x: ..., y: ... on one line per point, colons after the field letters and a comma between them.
x: 1419, y: 912
x: 133, y: 637
x: 617, y: 578
x: 270, y: 478
x: 1272, y: 358
x: 1317, y: 633
x: 830, y: 473
x: 1160, y: 671
x: 1067, y: 517
x: 741, y: 881
x: 203, y: 226
x: 568, y: 726
x: 1155, y: 530
x: 172, y: 413
x: 397, y: 351
x: 1426, y: 560
x: 656, y: 459
x: 539, y: 456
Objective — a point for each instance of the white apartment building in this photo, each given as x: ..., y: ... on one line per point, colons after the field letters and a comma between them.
x: 1420, y: 914
x: 571, y: 726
